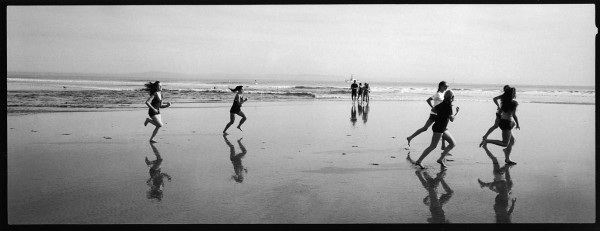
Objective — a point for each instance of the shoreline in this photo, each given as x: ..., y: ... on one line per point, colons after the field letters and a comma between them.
x: 24, y: 110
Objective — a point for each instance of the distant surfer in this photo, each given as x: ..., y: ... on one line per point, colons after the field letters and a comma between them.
x: 236, y: 108
x: 354, y: 88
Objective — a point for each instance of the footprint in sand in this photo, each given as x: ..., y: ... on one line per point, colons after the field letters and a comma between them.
x: 33, y: 131
x: 374, y: 164
x: 348, y: 135
x: 66, y: 134
x: 393, y: 137
x: 354, y: 146
x: 392, y: 157
x: 343, y: 153
x: 108, y: 138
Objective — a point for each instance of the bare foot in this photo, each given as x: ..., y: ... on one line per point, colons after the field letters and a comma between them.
x: 225, y: 133
x: 419, y: 164
x: 146, y: 122
x: 239, y: 128
x: 407, y: 138
x: 481, y: 184
x: 153, y: 141
x: 510, y: 162
x: 441, y: 161
x: 482, y: 143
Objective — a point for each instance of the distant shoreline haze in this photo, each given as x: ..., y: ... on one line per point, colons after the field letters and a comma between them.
x: 250, y: 78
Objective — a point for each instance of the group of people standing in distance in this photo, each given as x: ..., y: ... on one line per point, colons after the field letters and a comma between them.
x: 358, y: 91
x: 440, y: 115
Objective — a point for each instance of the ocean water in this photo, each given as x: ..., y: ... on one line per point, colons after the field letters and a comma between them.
x: 94, y: 92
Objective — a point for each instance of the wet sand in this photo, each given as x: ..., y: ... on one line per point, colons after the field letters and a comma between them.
x: 305, y: 162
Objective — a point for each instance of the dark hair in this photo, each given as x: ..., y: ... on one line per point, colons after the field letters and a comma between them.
x: 441, y: 84
x: 151, y: 87
x: 508, y: 102
x: 505, y: 87
x: 238, y: 88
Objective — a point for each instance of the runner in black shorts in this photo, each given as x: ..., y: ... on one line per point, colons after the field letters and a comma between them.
x: 493, y: 127
x: 509, y: 111
x: 437, y: 98
x: 236, y: 108
x: 444, y: 115
x: 154, y: 103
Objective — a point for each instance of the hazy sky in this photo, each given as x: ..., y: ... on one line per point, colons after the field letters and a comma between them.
x: 516, y: 44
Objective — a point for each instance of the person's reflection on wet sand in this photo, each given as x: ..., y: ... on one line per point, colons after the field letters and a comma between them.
x: 156, y: 181
x: 236, y: 160
x: 360, y: 109
x: 502, y: 185
x: 435, y: 204
x: 365, y: 115
x: 353, y: 118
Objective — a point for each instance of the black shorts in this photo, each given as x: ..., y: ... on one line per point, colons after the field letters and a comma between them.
x: 432, y: 117
x: 497, y: 115
x: 151, y: 112
x: 506, y: 125
x: 353, y: 92
x: 439, y: 127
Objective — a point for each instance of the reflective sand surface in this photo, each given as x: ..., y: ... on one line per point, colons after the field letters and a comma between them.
x: 298, y: 162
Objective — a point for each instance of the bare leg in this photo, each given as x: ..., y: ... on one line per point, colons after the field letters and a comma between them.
x: 492, y: 128
x: 231, y: 120
x: 150, y: 121
x: 506, y: 135
x: 435, y: 139
x: 419, y: 131
x: 443, y: 143
x: 508, y: 150
x: 241, y: 121
x: 451, y: 145
x: 157, y: 121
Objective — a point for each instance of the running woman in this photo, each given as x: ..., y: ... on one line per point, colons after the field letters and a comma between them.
x: 437, y: 98
x: 154, y: 103
x: 498, y: 111
x: 444, y: 110
x: 508, y: 112
x: 236, y: 108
